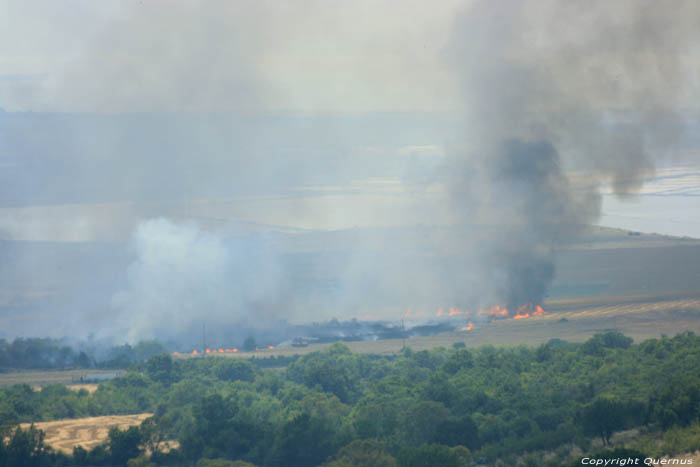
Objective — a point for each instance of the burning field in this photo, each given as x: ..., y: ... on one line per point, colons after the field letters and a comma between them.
x: 574, y: 320
x: 496, y: 312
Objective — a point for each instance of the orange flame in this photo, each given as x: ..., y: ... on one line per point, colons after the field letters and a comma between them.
x: 235, y: 350
x: 194, y: 352
x: 221, y: 350
x: 271, y: 347
x: 469, y: 327
x: 527, y: 310
x: 496, y: 312
x: 208, y: 351
x: 452, y: 311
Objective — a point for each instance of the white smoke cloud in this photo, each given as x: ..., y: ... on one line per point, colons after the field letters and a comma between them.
x: 222, y: 55
x: 183, y: 276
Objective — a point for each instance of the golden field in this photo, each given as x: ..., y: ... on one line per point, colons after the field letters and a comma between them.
x: 88, y: 432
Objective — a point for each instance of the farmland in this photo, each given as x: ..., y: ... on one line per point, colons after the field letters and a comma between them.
x: 574, y: 320
x: 39, y: 379
x: 508, y: 361
x: 64, y: 435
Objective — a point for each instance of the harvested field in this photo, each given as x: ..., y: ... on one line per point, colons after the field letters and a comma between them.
x: 44, y: 378
x: 40, y: 378
x: 63, y: 435
x: 573, y: 320
x: 88, y: 387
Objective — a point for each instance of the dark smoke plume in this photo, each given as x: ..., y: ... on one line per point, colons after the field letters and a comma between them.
x: 555, y: 88
x: 194, y: 150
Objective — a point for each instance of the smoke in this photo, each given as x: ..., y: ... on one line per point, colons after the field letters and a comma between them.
x: 553, y: 88
x: 183, y: 276
x: 244, y: 110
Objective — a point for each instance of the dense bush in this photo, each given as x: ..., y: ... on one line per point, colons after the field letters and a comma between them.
x: 337, y: 408
x: 46, y: 353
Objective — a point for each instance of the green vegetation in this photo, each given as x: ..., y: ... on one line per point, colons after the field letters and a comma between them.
x: 40, y: 354
x: 45, y: 353
x: 440, y: 407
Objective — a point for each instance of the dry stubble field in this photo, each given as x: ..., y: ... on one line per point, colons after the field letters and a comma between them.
x: 572, y: 320
x: 39, y: 379
x: 88, y: 432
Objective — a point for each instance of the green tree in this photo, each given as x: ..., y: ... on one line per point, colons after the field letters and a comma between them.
x: 99, y: 455
x: 161, y: 368
x: 543, y: 353
x: 223, y: 463
x: 141, y: 461
x: 616, y: 340
x: 597, y: 344
x: 234, y: 369
x: 124, y: 445
x: 328, y: 370
x: 219, y: 430
x: 376, y: 417
x: 303, y: 441
x: 460, y: 359
x: 151, y: 435
x: 80, y: 455
x: 439, y: 389
x: 420, y: 421
x: 594, y: 346
x: 458, y: 432
x: 363, y: 452
x: 433, y: 455
x: 677, y: 403
x: 26, y: 448
x: 603, y: 417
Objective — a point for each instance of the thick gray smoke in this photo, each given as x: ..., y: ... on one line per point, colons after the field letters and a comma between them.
x: 242, y: 116
x: 553, y: 88
x: 183, y: 274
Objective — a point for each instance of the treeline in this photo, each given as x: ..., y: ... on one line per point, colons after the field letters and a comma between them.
x: 448, y: 407
x: 50, y: 354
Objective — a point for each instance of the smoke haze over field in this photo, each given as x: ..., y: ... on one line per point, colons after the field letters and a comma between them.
x: 182, y: 272
x: 549, y: 85
x: 459, y: 145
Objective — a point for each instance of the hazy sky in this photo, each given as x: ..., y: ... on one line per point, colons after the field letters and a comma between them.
x: 252, y: 57
x: 314, y: 58
x: 176, y: 128
x: 130, y: 56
